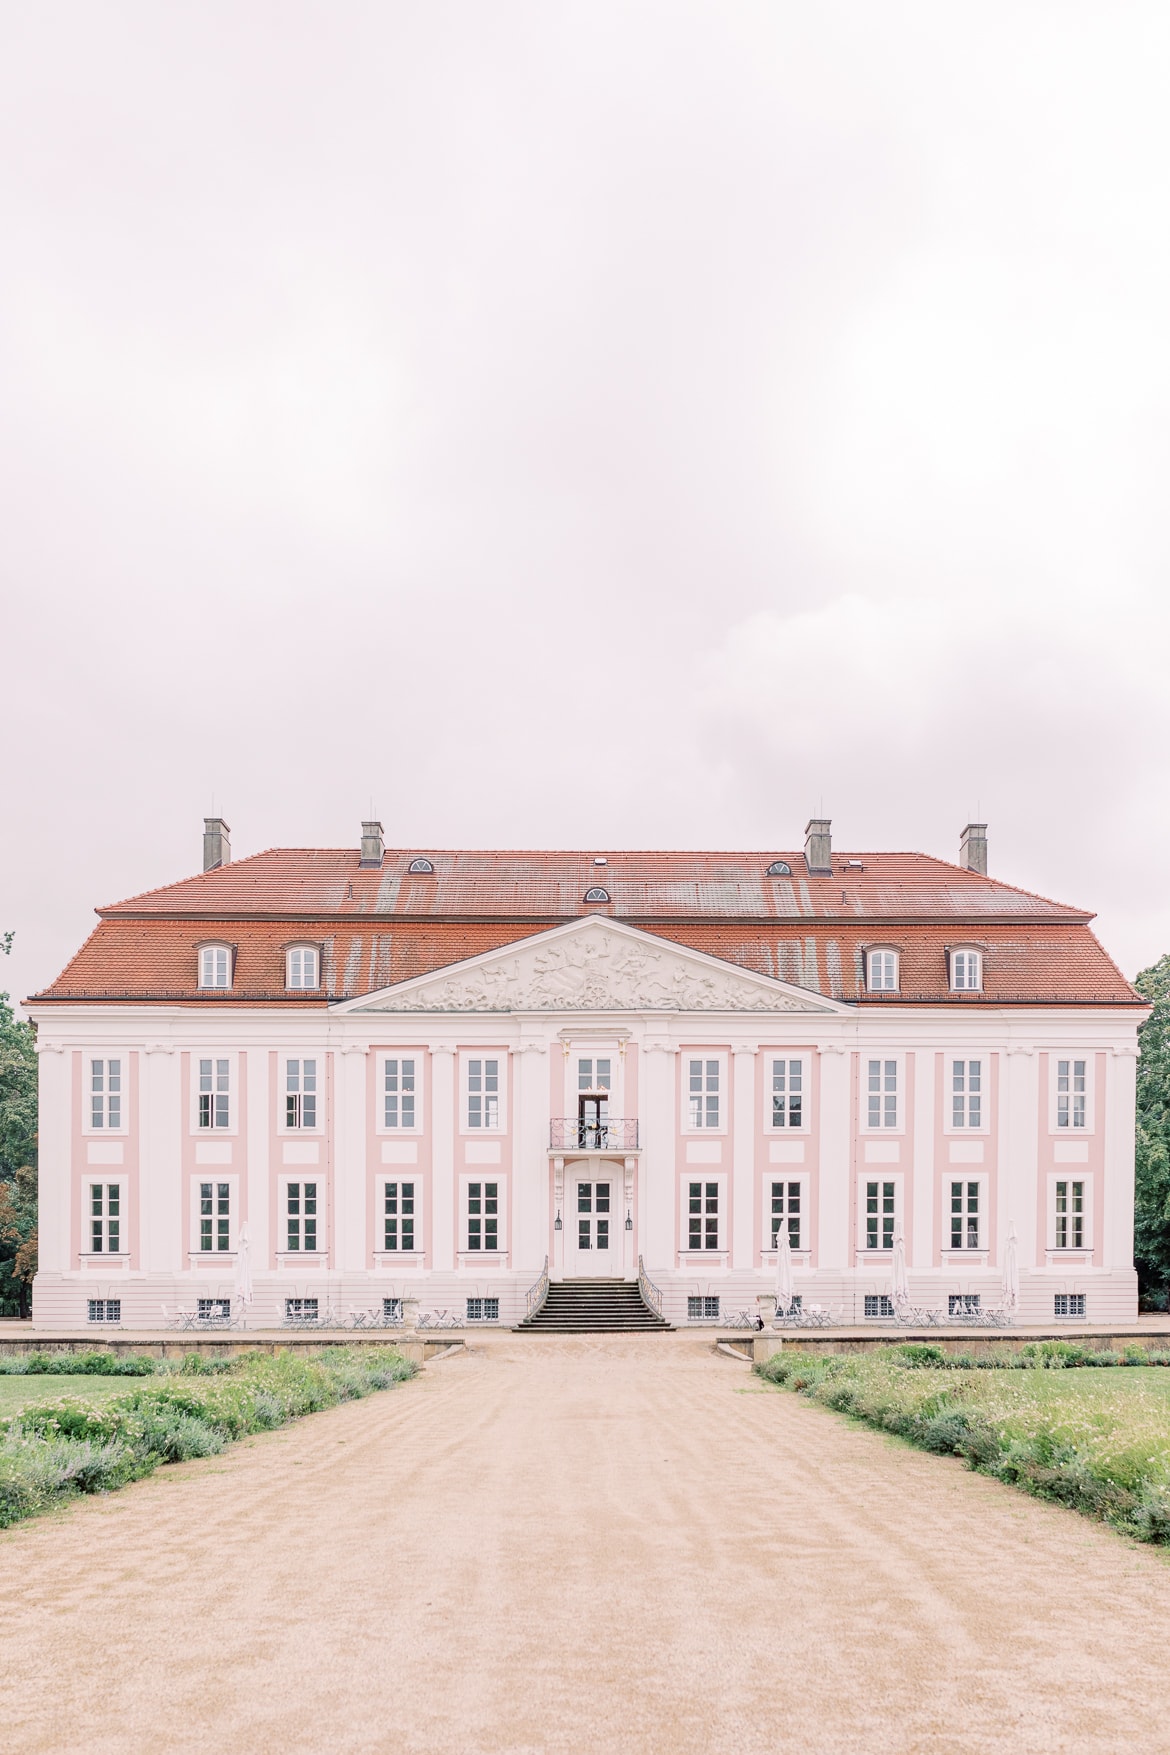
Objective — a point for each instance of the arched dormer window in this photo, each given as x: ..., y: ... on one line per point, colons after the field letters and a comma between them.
x: 779, y: 868
x: 302, y: 966
x: 595, y: 893
x: 420, y: 865
x: 966, y: 970
x: 881, y: 970
x: 215, y: 965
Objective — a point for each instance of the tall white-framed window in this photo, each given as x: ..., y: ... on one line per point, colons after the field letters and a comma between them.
x: 105, y: 1213
x: 704, y: 1077
x: 879, y: 1212
x: 215, y: 965
x: 882, y: 1094
x: 966, y: 1099
x: 213, y: 1092
x: 483, y: 1215
x: 966, y: 971
x: 106, y: 1094
x: 965, y: 1202
x: 881, y: 970
x: 302, y: 966
x: 786, y: 1211
x: 1071, y: 1092
x: 302, y: 1217
x: 399, y: 1096
x: 595, y: 1072
x: 214, y: 1215
x: 483, y: 1093
x: 301, y: 1112
x: 1070, y: 1212
x: 788, y: 1092
x: 704, y: 1213
x: 400, y: 1220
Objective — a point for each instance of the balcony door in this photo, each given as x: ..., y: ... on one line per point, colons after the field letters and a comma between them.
x: 593, y: 1239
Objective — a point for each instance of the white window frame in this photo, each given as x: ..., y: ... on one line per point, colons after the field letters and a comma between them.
x: 300, y: 951
x: 407, y: 1174
x: 704, y: 1175
x: 965, y: 1057
x: 1069, y: 1174
x: 705, y: 1055
x: 398, y: 1055
x: 875, y: 951
x: 105, y: 1055
x: 973, y: 964
x: 1071, y: 1055
x: 879, y: 1173
x: 788, y: 1175
x: 479, y: 1178
x: 213, y: 1174
x: 97, y: 1176
x: 233, y: 1092
x: 961, y: 1173
x: 883, y: 1055
x: 212, y: 949
x: 771, y: 1057
x: 466, y: 1057
x: 283, y: 1093
x: 297, y: 1178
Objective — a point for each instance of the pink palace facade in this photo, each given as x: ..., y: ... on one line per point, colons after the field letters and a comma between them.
x: 413, y: 1076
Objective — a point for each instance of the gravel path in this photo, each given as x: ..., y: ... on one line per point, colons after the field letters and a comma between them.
x: 549, y: 1545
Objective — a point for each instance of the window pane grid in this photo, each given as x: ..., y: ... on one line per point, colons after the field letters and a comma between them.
x: 787, y: 1093
x: 301, y: 1216
x: 483, y: 1215
x: 703, y: 1215
x: 882, y: 1093
x: 105, y: 1094
x: 399, y: 1093
x: 1070, y: 1215
x: 483, y: 1093
x: 398, y: 1216
x: 105, y: 1218
x: 300, y: 1094
x: 1070, y: 1093
x: 879, y: 1215
x: 964, y: 1215
x: 703, y: 1093
x: 966, y: 1093
x: 786, y: 1213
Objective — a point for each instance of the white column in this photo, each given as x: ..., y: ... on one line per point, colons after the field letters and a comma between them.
x: 442, y: 1071
x: 349, y: 1164
x: 836, y: 1164
x: 530, y: 1156
x: 259, y: 1151
x: 657, y: 1224
x: 743, y: 1155
x: 920, y: 1242
x: 54, y: 1137
x: 161, y: 1127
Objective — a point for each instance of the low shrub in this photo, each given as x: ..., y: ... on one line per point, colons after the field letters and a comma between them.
x: 68, y: 1446
x: 76, y: 1365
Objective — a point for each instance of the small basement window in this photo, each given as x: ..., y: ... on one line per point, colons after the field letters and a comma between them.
x: 300, y: 1310
x: 878, y: 1305
x: 483, y: 1310
x: 1068, y: 1304
x: 392, y: 1310
x: 214, y: 1309
x: 420, y: 865
x: 964, y: 1303
x: 596, y: 894
x: 779, y: 868
x: 105, y: 1310
x: 702, y: 1310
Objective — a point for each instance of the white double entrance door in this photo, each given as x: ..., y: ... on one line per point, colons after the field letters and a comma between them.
x: 593, y: 1232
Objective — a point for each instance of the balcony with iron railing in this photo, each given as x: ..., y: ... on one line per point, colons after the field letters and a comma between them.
x: 570, y: 1133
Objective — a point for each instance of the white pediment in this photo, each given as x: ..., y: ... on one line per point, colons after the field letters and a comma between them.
x: 597, y: 966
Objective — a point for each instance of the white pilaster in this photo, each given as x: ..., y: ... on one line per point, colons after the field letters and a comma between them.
x: 1120, y: 1112
x: 920, y: 1243
x: 259, y: 1235
x: 1019, y: 1113
x: 442, y: 1071
x: 160, y: 1159
x: 835, y: 1171
x: 54, y: 1152
x: 349, y: 1164
x: 743, y: 1155
x: 657, y: 1184
x: 529, y: 1156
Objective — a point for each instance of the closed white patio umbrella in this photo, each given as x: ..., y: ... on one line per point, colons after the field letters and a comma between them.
x: 1011, y: 1272
x: 784, y: 1292
x: 901, y: 1277
x: 243, y: 1276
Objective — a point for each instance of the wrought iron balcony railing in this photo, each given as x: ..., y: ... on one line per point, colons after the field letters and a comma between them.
x: 569, y: 1133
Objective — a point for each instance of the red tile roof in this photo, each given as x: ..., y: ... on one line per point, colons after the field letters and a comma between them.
x: 379, y: 927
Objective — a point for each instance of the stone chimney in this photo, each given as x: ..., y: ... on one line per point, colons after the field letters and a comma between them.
x: 373, y: 845
x: 973, y: 848
x: 818, y: 846
x: 217, y: 849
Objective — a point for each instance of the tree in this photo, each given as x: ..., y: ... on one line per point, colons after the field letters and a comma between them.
x: 18, y: 1157
x: 1152, y: 1158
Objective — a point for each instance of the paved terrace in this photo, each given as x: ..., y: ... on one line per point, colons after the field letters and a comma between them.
x: 549, y: 1545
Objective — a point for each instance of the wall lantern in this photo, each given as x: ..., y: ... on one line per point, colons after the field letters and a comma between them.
x: 557, y: 1226
x: 629, y: 1220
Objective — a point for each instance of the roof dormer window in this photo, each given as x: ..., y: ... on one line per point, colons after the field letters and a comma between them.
x: 595, y: 893
x: 215, y: 966
x: 881, y: 971
x: 966, y: 971
x: 779, y: 868
x: 419, y: 866
x: 302, y: 966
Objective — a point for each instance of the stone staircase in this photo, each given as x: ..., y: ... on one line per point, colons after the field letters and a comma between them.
x: 592, y: 1307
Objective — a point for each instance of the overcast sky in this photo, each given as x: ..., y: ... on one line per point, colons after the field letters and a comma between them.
x: 594, y: 425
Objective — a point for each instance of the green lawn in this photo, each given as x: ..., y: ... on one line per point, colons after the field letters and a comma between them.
x: 1097, y: 1440
x: 23, y: 1392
